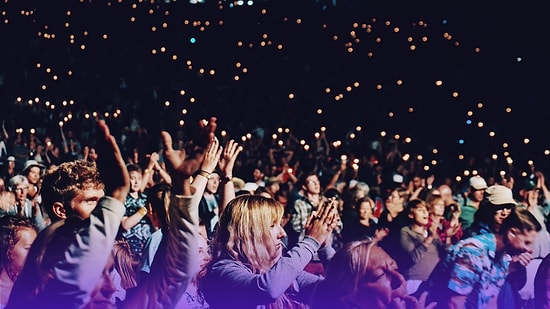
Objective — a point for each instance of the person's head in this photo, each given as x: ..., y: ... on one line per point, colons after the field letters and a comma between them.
x: 135, y: 173
x: 436, y: 206
x: 2, y: 184
x: 102, y: 296
x: 11, y: 162
x: 529, y: 192
x: 250, y: 231
x: 33, y: 171
x: 273, y: 185
x: 476, y: 189
x: 496, y: 207
x: 447, y: 194
x: 417, y: 211
x: 360, y: 275
x: 16, y: 237
x: 333, y: 193
x: 310, y: 183
x: 365, y: 207
x: 397, y: 199
x: 257, y: 175
x: 72, y: 188
x: 519, y: 231
x: 19, y: 184
x: 7, y: 201
x: 213, y: 183
x: 125, y: 263
x: 158, y: 199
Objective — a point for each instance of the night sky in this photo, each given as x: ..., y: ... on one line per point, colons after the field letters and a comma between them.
x: 300, y: 65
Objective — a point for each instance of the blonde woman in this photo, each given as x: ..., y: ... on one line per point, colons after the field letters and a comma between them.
x: 249, y: 268
x: 361, y: 275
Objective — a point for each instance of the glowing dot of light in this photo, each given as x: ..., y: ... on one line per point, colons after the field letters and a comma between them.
x: 166, y: 103
x: 192, y: 100
x: 494, y: 156
x: 466, y: 173
x: 319, y: 111
x: 519, y: 59
x: 547, y: 151
x: 509, y: 160
x: 526, y: 141
x: 192, y: 40
x: 358, y: 128
x: 245, y: 70
x: 352, y: 136
x: 492, y: 134
x: 506, y: 153
x: 396, y: 137
x: 461, y: 141
x: 412, y: 47
x: 461, y: 157
x: 426, y: 168
x: 327, y: 90
x: 411, y: 109
x: 468, y: 121
x: 399, y: 82
x: 236, y: 77
x: 480, y: 124
x: 435, y: 151
x: 479, y: 105
x: 181, y: 123
x: 438, y: 82
x: 391, y: 114
x: 408, y: 140
x: 291, y: 96
x: 383, y: 133
x: 504, y: 145
x: 406, y: 157
x: 323, y: 129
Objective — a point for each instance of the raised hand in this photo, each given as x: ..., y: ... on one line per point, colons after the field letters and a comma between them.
x: 321, y: 223
x: 111, y: 165
x: 211, y: 156
x: 227, y: 160
x: 180, y: 164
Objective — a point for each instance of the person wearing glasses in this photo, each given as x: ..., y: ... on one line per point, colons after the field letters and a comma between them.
x: 478, y: 271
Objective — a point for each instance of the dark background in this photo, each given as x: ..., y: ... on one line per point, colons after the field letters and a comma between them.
x: 121, y: 73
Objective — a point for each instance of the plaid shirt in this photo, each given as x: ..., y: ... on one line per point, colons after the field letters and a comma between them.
x: 300, y: 213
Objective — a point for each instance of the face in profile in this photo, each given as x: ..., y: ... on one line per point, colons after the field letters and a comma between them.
x: 381, y: 283
x: 102, y: 295
x: 18, y: 254
x: 277, y: 234
x: 519, y: 242
x: 85, y: 202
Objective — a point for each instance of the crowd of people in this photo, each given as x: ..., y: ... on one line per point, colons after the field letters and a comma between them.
x: 207, y: 222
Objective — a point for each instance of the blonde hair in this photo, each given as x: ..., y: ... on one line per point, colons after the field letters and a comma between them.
x: 347, y: 268
x: 243, y: 233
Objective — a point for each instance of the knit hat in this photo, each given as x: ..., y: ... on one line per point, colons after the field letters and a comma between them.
x: 499, y: 195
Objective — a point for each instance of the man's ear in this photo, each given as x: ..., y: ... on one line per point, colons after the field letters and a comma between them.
x: 59, y: 210
x: 512, y: 232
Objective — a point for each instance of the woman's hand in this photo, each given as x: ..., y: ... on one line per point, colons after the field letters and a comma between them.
x: 322, y: 222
